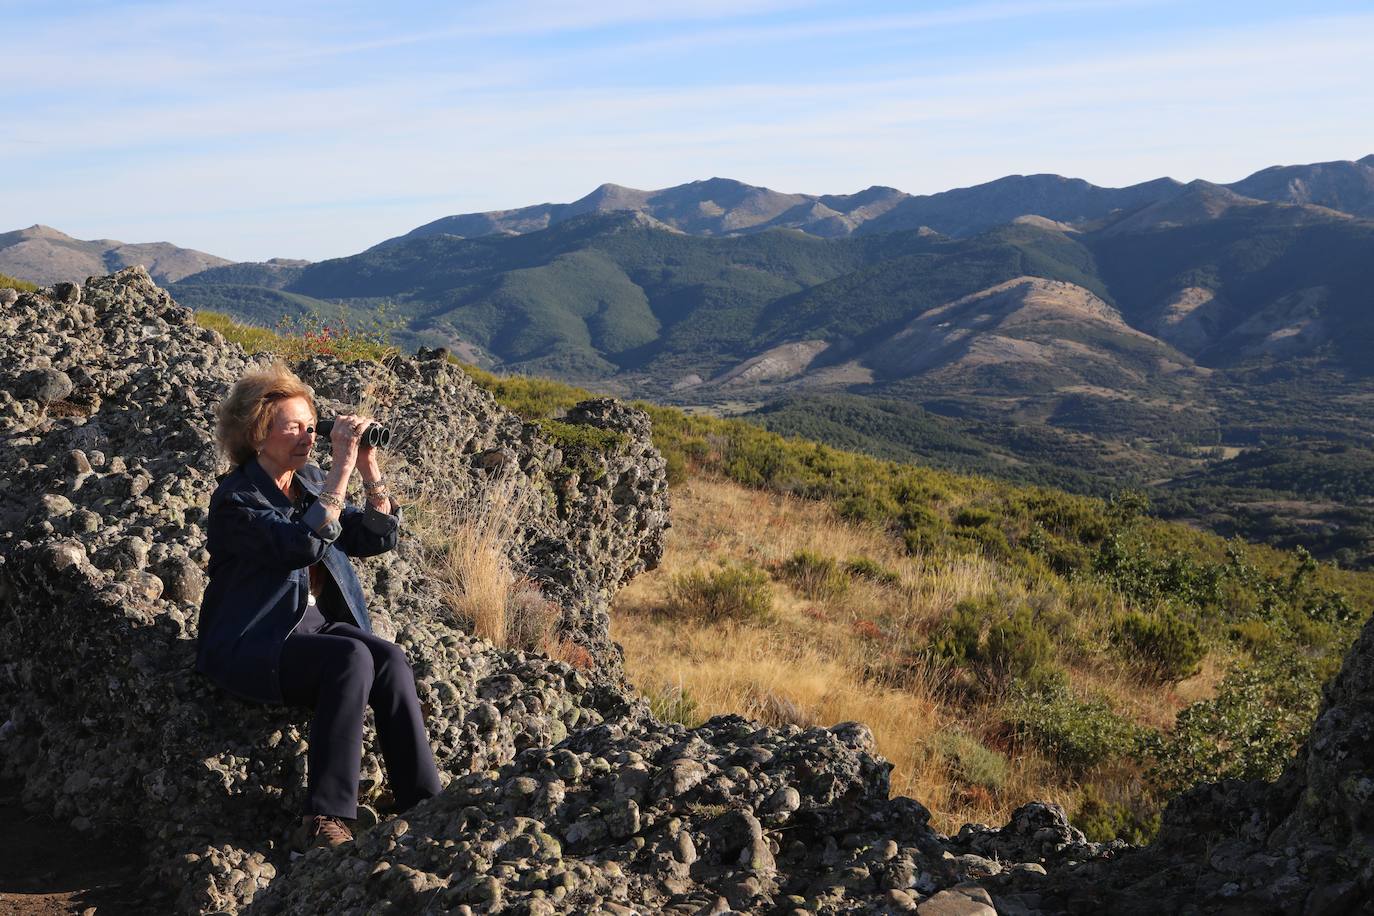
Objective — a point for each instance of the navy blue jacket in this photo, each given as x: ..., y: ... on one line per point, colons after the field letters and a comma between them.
x: 260, y: 549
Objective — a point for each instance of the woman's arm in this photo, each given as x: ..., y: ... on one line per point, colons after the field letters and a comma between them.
x: 243, y: 523
x: 377, y: 529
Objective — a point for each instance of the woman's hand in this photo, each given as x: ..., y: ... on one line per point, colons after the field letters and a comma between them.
x: 345, y: 440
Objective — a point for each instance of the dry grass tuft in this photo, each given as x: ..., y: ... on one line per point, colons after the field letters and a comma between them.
x: 467, y: 555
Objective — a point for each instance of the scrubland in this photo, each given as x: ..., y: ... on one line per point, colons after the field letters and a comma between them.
x: 1004, y: 643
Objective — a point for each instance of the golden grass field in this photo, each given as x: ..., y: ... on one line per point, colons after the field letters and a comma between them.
x: 826, y: 660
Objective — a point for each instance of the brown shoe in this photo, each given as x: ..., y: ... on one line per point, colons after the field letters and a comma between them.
x: 321, y: 830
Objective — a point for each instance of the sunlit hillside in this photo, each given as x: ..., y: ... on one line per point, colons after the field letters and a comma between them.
x: 1004, y: 643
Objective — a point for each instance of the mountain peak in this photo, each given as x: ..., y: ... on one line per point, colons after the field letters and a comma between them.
x: 37, y: 231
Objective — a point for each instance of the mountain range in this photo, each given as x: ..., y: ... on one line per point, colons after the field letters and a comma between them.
x: 721, y: 206
x: 1035, y: 326
x: 43, y: 255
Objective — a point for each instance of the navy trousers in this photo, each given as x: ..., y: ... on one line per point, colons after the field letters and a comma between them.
x: 338, y: 670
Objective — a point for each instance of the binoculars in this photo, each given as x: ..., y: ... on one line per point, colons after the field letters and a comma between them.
x: 376, y: 435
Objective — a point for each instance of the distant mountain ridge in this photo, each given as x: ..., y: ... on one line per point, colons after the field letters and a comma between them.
x: 43, y: 255
x: 722, y: 206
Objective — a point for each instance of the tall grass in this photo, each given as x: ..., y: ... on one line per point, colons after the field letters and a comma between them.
x: 466, y: 549
x: 24, y: 286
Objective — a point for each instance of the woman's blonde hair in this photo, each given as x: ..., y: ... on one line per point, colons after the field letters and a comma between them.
x: 245, y: 416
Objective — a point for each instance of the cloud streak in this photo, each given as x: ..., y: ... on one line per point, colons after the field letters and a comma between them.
x: 251, y: 160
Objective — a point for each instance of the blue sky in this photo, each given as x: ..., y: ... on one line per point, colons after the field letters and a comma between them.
x: 310, y: 129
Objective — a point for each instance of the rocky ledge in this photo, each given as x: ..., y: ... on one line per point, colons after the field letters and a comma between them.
x: 563, y: 794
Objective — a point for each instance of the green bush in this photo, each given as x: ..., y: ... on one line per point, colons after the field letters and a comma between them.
x: 815, y: 576
x: 971, y: 762
x: 1018, y: 647
x: 307, y: 336
x: 973, y: 517
x: 959, y: 638
x: 674, y: 704
x: 1249, y: 730
x: 1102, y: 821
x: 532, y: 398
x: 675, y: 467
x: 731, y: 592
x: 1149, y: 576
x: 1079, y: 734
x: 584, y: 447
x: 1127, y: 506
x: 1005, y: 648
x: 1256, y: 636
x: 872, y: 570
x: 927, y: 541
x: 1163, y: 643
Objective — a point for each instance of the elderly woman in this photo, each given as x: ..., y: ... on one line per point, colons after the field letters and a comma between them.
x: 283, y: 619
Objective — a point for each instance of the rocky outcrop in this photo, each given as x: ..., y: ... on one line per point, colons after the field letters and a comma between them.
x: 106, y: 405
x: 563, y: 794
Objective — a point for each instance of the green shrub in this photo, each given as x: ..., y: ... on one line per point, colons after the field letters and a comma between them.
x: 925, y: 541
x: 1249, y: 730
x: 675, y: 467
x: 252, y: 339
x: 312, y: 335
x: 815, y: 576
x: 1018, y: 647
x: 988, y: 540
x: 1163, y: 643
x: 959, y: 638
x: 674, y: 704
x: 532, y: 398
x: 1063, y: 556
x: 1149, y: 576
x: 731, y: 592
x: 1004, y: 648
x: 872, y: 570
x: 869, y: 507
x: 1128, y: 506
x: 1102, y: 821
x: 973, y: 517
x: 971, y: 762
x: 1079, y: 734
x: 316, y: 335
x: 1256, y: 636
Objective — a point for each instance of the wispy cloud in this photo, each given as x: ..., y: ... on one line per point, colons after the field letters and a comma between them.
x: 244, y: 151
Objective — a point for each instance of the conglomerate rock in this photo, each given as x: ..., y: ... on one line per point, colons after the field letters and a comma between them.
x: 563, y: 794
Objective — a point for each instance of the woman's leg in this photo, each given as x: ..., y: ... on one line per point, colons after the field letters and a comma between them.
x: 334, y: 675
x: 400, y: 725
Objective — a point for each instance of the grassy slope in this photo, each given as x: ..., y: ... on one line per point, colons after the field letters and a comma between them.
x: 1005, y: 642
x: 24, y: 286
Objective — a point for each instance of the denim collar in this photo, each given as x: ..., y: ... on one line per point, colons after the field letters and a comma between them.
x: 259, y: 477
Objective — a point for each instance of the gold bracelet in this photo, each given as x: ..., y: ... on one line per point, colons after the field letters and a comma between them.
x: 370, y: 485
x: 331, y: 501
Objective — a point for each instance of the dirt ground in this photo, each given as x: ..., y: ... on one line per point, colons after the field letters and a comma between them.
x: 49, y: 869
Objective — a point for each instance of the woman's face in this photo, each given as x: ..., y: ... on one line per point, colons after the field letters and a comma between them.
x: 290, y: 437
